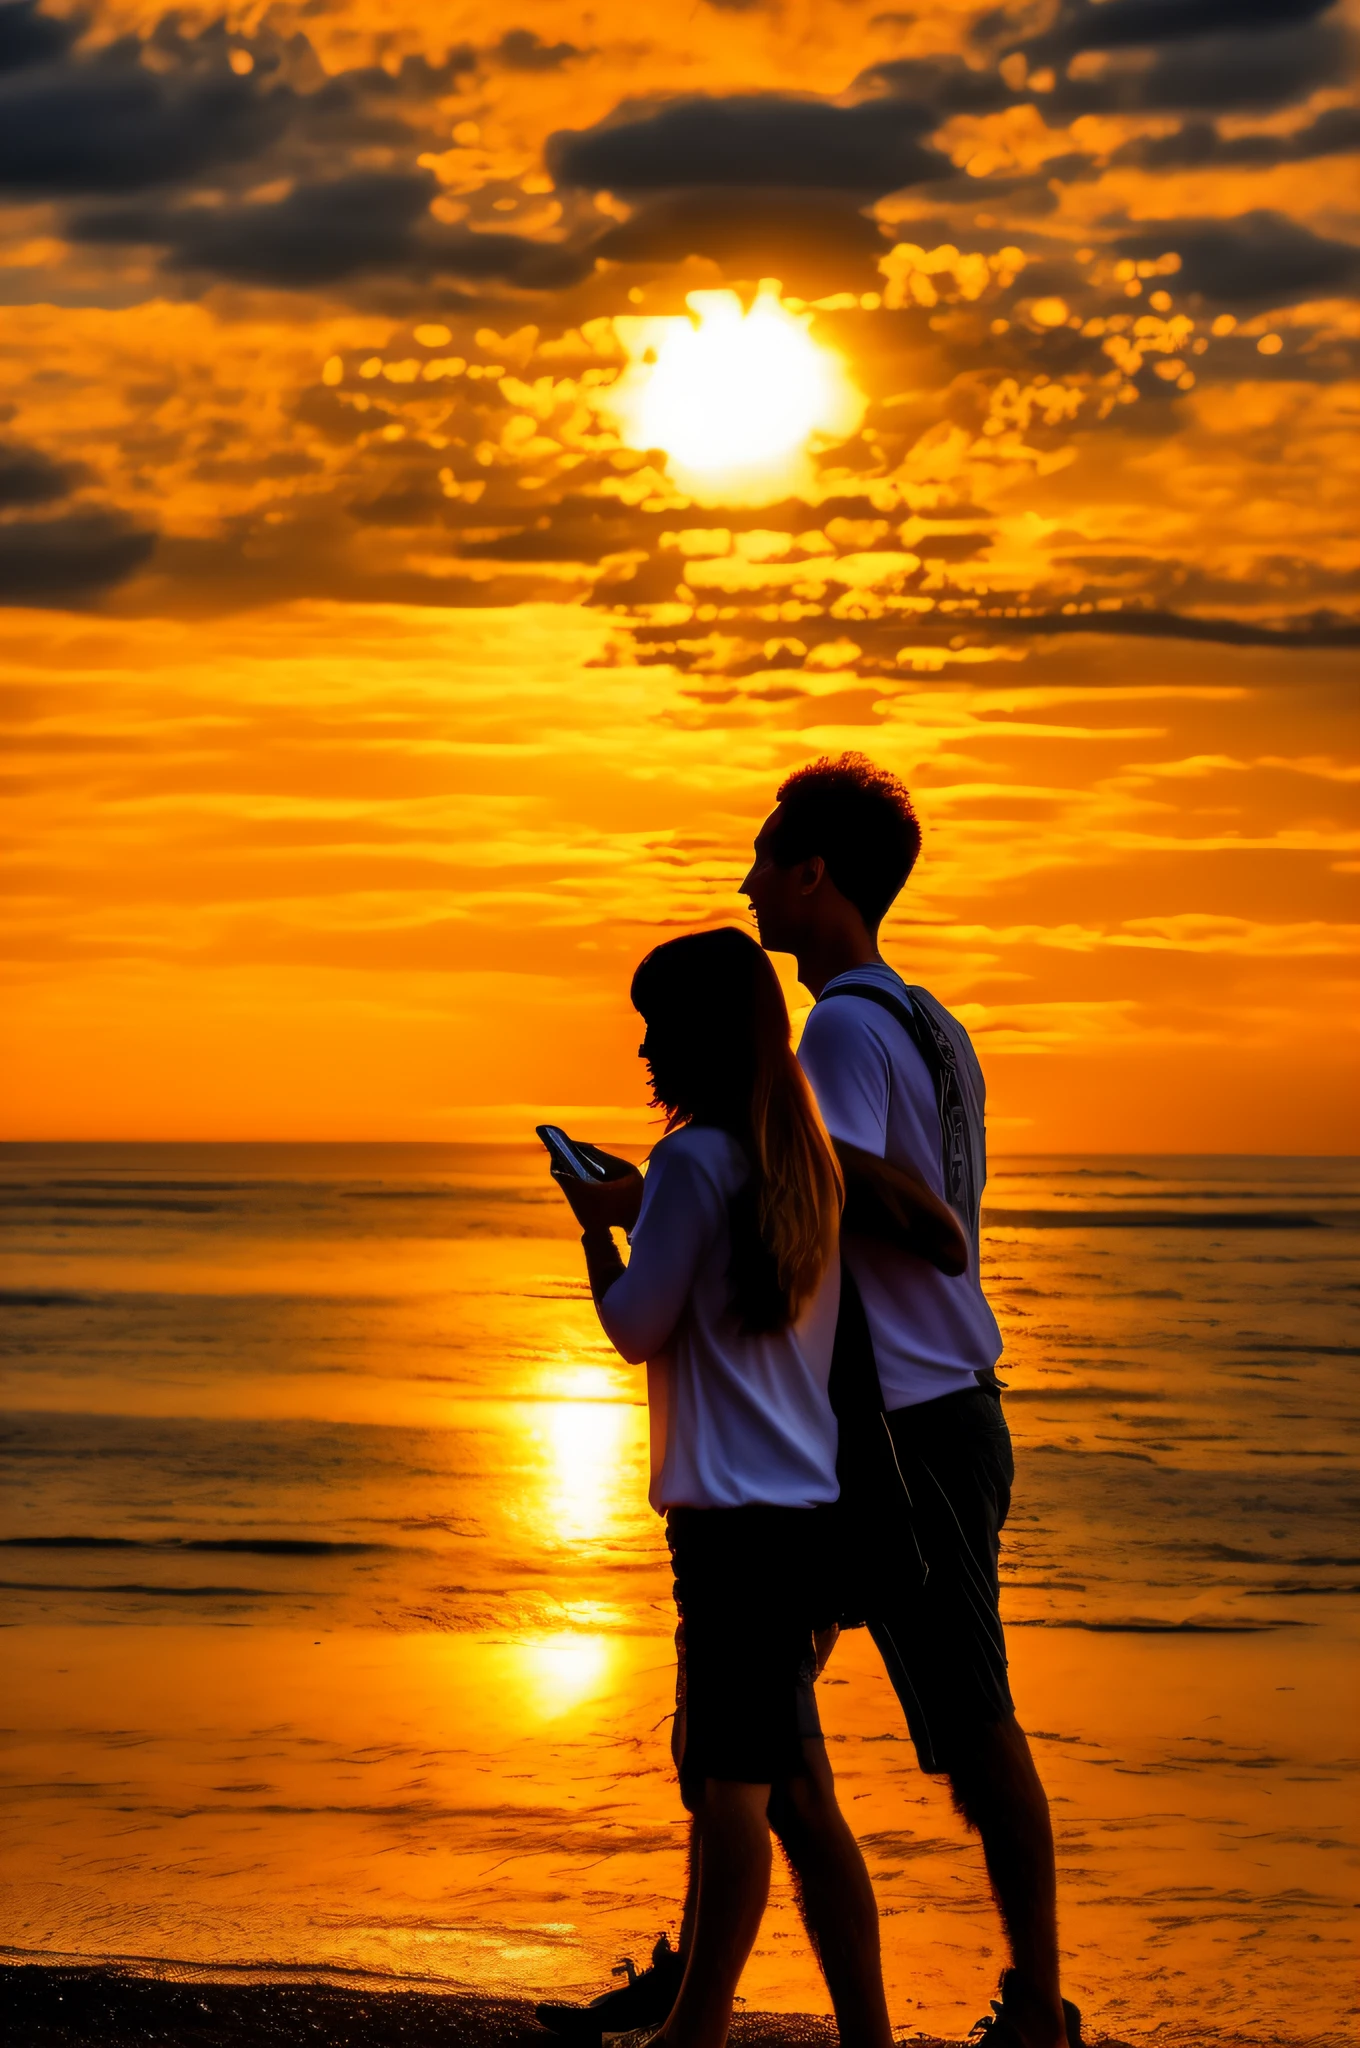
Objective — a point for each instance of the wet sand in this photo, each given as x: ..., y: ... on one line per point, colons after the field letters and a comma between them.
x: 54, y: 2007
x: 60, y: 2006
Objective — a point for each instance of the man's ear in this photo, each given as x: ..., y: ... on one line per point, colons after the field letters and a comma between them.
x: 810, y: 875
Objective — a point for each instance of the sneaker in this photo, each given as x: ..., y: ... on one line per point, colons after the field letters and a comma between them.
x: 998, y: 2029
x: 641, y: 2005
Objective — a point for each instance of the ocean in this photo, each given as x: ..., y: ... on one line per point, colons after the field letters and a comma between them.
x: 338, y: 1626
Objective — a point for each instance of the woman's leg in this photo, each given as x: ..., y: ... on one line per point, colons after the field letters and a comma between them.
x: 734, y: 1883
x: 835, y: 1898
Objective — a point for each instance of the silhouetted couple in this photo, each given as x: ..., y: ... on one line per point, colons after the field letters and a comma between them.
x: 828, y: 1444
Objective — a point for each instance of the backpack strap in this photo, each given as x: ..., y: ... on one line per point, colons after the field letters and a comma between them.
x: 937, y: 1051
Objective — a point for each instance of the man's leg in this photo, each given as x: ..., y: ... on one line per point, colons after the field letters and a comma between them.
x: 942, y: 1642
x: 734, y: 1884
x: 997, y: 1790
x: 835, y: 1898
x: 689, y: 1911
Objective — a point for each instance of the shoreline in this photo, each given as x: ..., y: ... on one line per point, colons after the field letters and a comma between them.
x: 185, y: 2005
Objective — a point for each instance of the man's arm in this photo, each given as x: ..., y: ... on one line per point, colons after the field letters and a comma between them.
x: 891, y: 1204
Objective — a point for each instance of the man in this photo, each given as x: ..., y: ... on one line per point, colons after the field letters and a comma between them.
x: 896, y: 1077
x: 926, y: 1465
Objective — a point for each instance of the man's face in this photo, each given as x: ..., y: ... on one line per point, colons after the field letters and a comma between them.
x: 778, y: 896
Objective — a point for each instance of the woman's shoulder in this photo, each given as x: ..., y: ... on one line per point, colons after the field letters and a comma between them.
x: 706, y: 1152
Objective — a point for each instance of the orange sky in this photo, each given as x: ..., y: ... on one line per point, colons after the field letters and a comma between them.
x: 373, y: 705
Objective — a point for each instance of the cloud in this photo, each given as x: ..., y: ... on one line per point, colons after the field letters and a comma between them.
x: 28, y: 37
x: 1322, y: 629
x: 318, y: 234
x: 1121, y: 24
x: 941, y: 86
x: 322, y: 233
x: 520, y: 49
x: 138, y: 114
x: 65, y: 560
x: 1199, y: 145
x: 1127, y: 56
x: 817, y: 234
x: 117, y: 127
x: 28, y: 477
x: 1258, y: 259
x: 752, y: 139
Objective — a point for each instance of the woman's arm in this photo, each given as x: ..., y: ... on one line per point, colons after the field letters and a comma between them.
x: 640, y: 1304
x: 601, y: 1207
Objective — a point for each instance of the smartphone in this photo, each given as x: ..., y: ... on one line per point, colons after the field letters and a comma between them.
x: 567, y: 1157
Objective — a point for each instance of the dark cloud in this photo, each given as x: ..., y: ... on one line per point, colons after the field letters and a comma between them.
x: 136, y: 115
x: 813, y: 236
x: 1318, y: 629
x: 317, y: 235
x: 1176, y: 54
x: 1245, y: 70
x: 415, y: 78
x: 115, y: 126
x: 28, y: 37
x: 753, y: 139
x: 322, y: 233
x: 1255, y: 260
x: 68, y: 559
x: 519, y: 49
x: 1199, y: 144
x: 1127, y: 24
x: 941, y: 86
x: 1158, y: 55
x: 28, y: 477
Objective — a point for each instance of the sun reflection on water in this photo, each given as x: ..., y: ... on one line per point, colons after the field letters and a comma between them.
x: 585, y: 1441
x: 563, y: 1670
x: 582, y: 1429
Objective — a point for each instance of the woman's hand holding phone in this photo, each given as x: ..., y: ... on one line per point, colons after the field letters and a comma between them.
x: 611, y: 1204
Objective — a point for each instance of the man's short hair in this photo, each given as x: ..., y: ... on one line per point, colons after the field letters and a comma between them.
x: 859, y: 818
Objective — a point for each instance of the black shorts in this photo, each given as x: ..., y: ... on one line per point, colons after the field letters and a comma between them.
x: 925, y: 1493
x: 750, y: 1587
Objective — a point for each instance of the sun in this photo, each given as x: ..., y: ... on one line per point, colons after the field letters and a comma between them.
x: 737, y: 399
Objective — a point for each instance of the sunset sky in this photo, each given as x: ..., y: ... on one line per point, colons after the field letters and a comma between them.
x: 392, y: 652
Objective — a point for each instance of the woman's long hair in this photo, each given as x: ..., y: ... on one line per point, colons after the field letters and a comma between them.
x: 720, y: 1052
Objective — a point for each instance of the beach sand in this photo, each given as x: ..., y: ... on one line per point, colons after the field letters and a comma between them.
x: 57, y: 2006
x: 54, y: 2007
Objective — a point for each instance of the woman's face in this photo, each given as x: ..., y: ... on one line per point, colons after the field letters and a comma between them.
x: 666, y: 1069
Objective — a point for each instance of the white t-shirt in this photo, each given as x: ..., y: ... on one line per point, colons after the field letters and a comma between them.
x: 931, y: 1334
x: 735, y: 1419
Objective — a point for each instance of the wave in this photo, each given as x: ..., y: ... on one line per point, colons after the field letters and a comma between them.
x: 1148, y: 1219
x: 242, y: 1546
x: 1123, y: 1396
x: 177, y: 1206
x: 148, y: 1592
x: 1159, y: 1628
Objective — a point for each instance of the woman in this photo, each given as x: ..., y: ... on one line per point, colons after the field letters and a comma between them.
x: 730, y: 1296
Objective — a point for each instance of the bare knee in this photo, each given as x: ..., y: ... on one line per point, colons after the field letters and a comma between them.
x: 804, y: 1806
x: 729, y: 1805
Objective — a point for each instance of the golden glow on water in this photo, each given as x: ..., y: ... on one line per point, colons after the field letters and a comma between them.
x: 736, y: 398
x: 432, y: 1735
x: 566, y: 1669
x: 584, y: 1441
